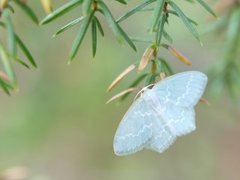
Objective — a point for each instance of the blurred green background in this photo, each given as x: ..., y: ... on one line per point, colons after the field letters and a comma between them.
x: 59, y: 128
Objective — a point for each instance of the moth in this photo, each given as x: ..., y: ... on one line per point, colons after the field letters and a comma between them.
x: 161, y: 114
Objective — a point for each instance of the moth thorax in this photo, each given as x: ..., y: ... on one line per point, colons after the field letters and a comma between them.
x: 150, y: 98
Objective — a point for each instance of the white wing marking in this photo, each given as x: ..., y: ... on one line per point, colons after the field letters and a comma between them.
x: 180, y: 120
x: 182, y: 89
x: 134, y: 130
x: 162, y: 137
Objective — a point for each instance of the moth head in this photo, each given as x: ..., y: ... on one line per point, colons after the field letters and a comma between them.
x: 144, y: 90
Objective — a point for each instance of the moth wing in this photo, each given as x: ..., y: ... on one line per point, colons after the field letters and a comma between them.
x: 135, y: 129
x: 180, y: 120
x: 162, y: 137
x: 182, y: 89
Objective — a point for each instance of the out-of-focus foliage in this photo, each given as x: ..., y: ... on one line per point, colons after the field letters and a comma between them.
x: 225, y: 74
x: 9, y: 54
